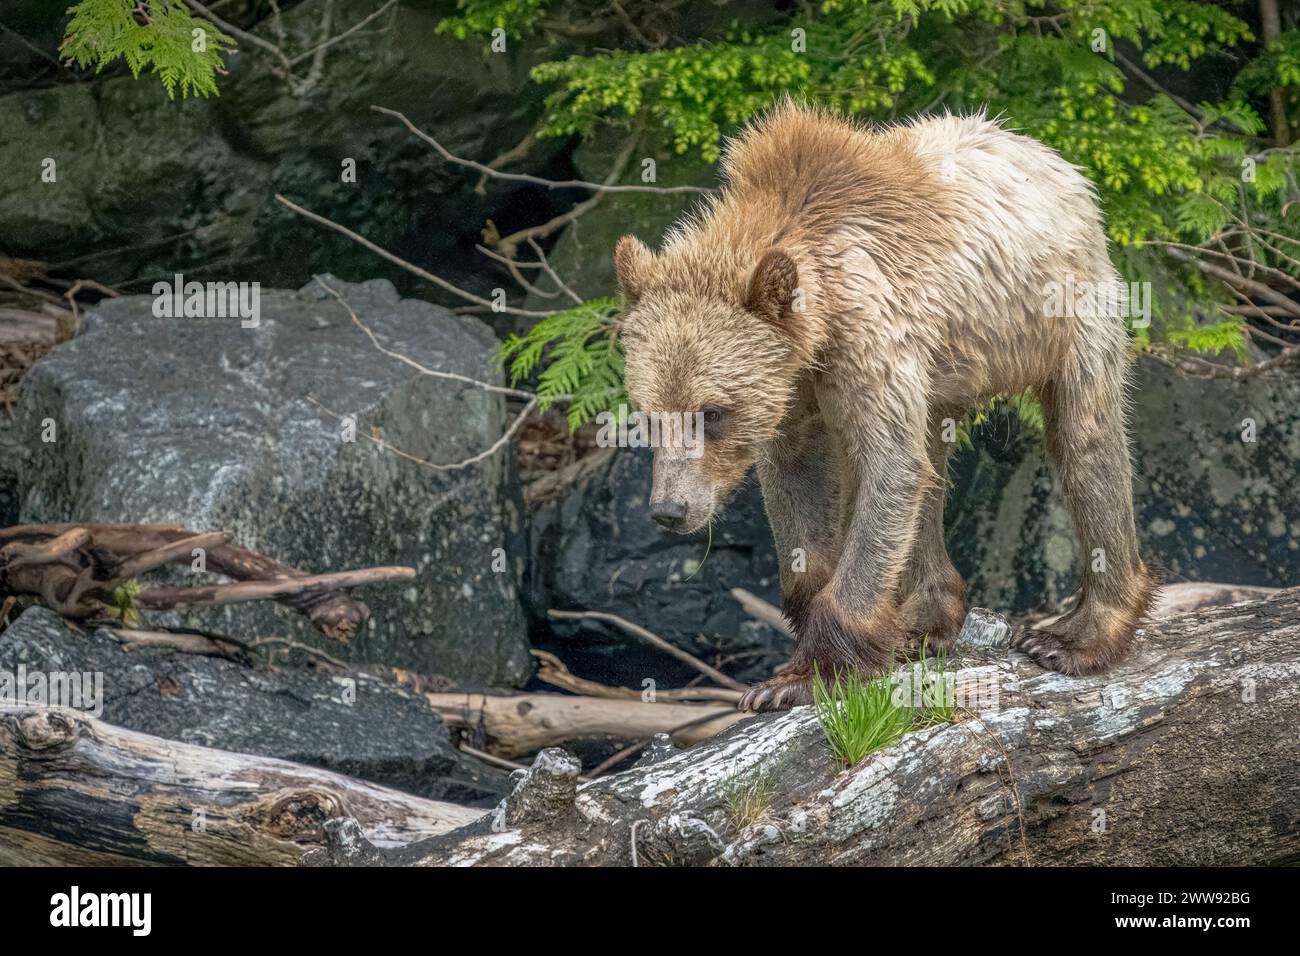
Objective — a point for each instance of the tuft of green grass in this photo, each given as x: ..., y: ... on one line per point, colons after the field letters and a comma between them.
x: 860, y: 716
x: 937, y: 689
x: 748, y: 795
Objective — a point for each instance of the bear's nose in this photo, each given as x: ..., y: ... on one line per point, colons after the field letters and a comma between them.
x: 670, y: 514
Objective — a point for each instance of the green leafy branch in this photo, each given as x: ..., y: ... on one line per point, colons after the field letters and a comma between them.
x: 161, y: 35
x: 575, y: 356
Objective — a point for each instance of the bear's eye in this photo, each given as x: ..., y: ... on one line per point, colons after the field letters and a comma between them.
x: 714, y: 420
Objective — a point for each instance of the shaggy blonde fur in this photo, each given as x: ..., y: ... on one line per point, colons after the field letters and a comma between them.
x: 843, y: 300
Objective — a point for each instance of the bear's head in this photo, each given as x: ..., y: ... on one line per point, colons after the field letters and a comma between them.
x: 709, y: 343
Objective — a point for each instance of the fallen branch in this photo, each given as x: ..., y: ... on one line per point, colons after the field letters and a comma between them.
x: 167, y: 598
x: 654, y: 639
x: 763, y: 611
x: 553, y: 671
x: 520, y: 724
x: 75, y: 570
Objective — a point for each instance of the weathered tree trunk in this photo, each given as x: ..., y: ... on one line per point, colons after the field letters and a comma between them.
x: 75, y: 791
x: 1185, y: 753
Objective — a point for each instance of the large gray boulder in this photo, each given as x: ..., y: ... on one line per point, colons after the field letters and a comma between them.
x: 354, y: 725
x: 1218, y: 465
x: 203, y: 423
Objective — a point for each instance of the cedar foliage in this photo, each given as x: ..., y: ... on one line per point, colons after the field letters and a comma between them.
x: 162, y: 35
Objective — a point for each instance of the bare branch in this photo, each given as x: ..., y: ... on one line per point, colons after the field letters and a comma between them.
x: 360, y: 24
x: 509, y: 243
x: 422, y: 369
x: 513, y: 154
x: 514, y: 266
x: 1231, y: 278
x: 1233, y: 260
x: 409, y: 266
x: 456, y: 466
x: 1195, y: 367
x: 651, y: 638
x: 250, y: 38
x: 318, y: 58
x: 546, y: 264
x: 535, y: 180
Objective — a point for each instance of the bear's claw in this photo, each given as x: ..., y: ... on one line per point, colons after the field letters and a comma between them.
x: 1064, y: 654
x: 780, y: 693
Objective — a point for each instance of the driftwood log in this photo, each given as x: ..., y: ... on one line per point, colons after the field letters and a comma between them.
x: 74, y: 569
x: 76, y: 791
x: 1187, y: 753
x: 519, y: 724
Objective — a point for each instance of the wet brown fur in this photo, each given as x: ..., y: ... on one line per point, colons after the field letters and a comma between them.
x: 847, y: 295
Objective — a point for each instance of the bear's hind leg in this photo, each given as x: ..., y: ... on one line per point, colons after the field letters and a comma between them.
x: 1084, y: 416
x: 933, y: 594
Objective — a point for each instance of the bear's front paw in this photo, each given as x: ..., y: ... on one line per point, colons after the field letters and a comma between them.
x: 833, y: 639
x: 790, y: 689
x: 1079, y: 644
x: 830, y: 642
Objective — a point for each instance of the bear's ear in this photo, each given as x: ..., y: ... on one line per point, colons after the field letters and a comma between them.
x: 772, y: 289
x: 632, y: 262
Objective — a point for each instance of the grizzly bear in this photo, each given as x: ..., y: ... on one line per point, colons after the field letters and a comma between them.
x: 830, y: 314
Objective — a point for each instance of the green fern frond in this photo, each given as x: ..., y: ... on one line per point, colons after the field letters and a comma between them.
x: 184, y: 51
x: 575, y: 356
x: 1226, y: 336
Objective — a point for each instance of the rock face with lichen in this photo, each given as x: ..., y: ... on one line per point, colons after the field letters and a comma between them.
x: 1218, y: 463
x: 148, y: 185
x: 207, y: 424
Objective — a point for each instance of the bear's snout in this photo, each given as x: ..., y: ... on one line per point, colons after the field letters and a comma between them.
x: 670, y: 514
